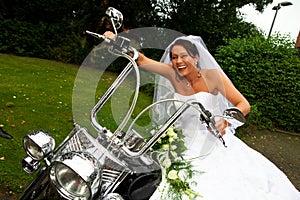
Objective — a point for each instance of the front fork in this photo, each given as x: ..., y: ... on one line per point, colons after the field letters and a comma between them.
x: 38, y: 185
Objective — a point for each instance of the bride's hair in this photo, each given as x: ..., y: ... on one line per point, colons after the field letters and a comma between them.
x: 190, y: 47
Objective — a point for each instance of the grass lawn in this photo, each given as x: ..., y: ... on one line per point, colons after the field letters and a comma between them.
x: 37, y: 94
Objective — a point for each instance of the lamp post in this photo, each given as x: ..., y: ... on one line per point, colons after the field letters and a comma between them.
x: 285, y: 3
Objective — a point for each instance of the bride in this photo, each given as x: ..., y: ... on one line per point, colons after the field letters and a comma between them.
x: 190, y: 73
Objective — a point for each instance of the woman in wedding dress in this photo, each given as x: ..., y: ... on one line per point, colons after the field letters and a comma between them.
x: 235, y: 172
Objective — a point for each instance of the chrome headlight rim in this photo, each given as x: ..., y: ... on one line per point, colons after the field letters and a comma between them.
x: 113, y: 196
x: 30, y: 165
x: 87, y: 177
x: 38, y: 144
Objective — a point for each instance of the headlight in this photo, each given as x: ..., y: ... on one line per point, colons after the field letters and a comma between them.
x: 76, y: 175
x: 30, y: 165
x: 38, y: 144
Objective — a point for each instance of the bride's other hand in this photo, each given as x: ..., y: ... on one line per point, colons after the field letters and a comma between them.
x: 221, y: 125
x: 109, y: 34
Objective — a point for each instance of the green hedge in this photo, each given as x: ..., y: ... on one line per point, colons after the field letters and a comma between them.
x: 23, y: 39
x: 42, y: 41
x: 267, y: 72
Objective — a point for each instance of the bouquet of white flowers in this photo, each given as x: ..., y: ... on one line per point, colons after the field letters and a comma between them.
x: 176, y: 170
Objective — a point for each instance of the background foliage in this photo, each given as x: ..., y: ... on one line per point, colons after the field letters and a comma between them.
x: 55, y: 29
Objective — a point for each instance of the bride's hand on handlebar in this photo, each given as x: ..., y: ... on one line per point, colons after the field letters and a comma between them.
x: 109, y: 34
x: 134, y: 54
x: 221, y: 125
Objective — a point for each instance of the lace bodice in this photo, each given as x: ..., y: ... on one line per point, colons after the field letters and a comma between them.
x: 208, y: 100
x: 198, y: 140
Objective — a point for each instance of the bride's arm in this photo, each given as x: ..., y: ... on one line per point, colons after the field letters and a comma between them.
x: 148, y: 63
x: 233, y: 95
x: 154, y: 66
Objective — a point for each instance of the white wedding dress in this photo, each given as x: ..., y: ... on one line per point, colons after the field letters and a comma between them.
x: 235, y: 172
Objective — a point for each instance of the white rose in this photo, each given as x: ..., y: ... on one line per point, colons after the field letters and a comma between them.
x: 171, y: 132
x: 152, y: 132
x: 166, y: 163
x: 165, y: 147
x: 173, y: 174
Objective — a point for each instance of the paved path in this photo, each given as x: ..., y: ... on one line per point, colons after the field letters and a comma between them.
x: 282, y: 149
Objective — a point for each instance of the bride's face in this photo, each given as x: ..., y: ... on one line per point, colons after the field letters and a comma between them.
x: 182, y: 61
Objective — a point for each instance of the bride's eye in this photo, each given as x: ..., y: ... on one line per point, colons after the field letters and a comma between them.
x: 184, y: 56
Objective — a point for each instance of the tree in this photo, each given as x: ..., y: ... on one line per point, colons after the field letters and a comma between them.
x: 48, y: 29
x: 213, y: 20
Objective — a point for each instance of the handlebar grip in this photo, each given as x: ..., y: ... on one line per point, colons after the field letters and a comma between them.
x: 96, y: 35
x: 120, y: 44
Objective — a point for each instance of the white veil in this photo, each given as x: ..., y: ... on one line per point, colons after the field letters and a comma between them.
x: 164, y: 89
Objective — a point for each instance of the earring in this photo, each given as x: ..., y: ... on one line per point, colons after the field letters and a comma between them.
x: 199, y: 73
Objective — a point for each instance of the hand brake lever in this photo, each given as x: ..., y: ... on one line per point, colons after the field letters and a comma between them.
x: 206, y: 116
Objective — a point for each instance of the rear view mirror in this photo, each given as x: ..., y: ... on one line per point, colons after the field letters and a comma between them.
x: 115, y: 16
x: 234, y: 116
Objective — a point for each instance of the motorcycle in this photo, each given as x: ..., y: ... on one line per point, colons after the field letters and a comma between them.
x: 113, y: 164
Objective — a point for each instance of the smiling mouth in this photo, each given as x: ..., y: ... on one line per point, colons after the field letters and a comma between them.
x: 182, y: 67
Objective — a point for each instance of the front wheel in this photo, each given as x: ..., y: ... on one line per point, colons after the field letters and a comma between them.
x: 139, y: 186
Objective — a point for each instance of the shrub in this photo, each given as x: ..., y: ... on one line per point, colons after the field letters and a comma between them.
x: 267, y: 72
x: 23, y: 39
x: 38, y: 40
